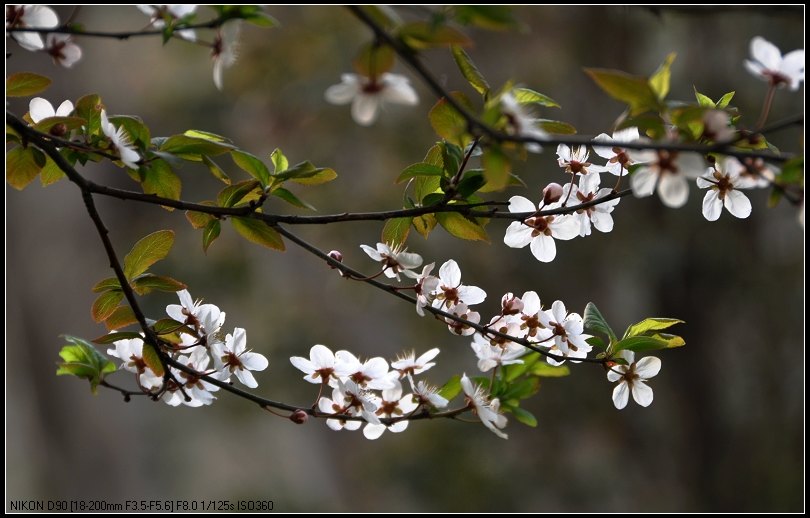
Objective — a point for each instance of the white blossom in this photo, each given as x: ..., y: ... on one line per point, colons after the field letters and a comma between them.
x: 451, y: 292
x: 392, y: 404
x: 467, y: 315
x: 30, y: 16
x: 410, y: 365
x: 121, y: 142
x: 724, y: 190
x: 618, y: 159
x: 372, y: 373
x: 369, y: 95
x: 769, y: 64
x: 176, y: 11
x: 575, y: 160
x: 633, y: 377
x: 491, y: 356
x: 520, y: 122
x: 487, y: 411
x: 234, y: 358
x: 205, y: 319
x: 349, y: 399
x: 426, y: 286
x: 320, y: 367
x: 224, y: 52
x: 130, y: 351
x: 598, y: 214
x: 40, y: 109
x: 567, y: 333
x: 62, y: 49
x: 668, y: 172
x: 394, y: 260
x: 531, y: 319
x: 538, y: 231
x: 426, y: 394
x: 198, y: 390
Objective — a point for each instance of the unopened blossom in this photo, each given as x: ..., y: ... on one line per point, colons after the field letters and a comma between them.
x: 618, y: 159
x: 426, y: 286
x: 40, y: 109
x: 768, y: 64
x: 409, y: 364
x: 487, y: 411
x: 224, y: 51
x: 30, y: 16
x: 464, y: 313
x: 450, y: 290
x: 667, y: 172
x: 552, y: 193
x: 394, y: 260
x: 538, y: 231
x: 599, y: 214
x: 569, y: 340
x: 574, y: 160
x: 177, y: 12
x: 392, y: 404
x: 427, y: 395
x: 520, y: 122
x: 130, y: 352
x: 120, y: 141
x: 205, y: 319
x: 759, y: 173
x: 369, y: 94
x: 62, y: 49
x: 491, y: 356
x: 632, y: 378
x: 724, y: 186
x: 350, y: 399
x: 372, y: 373
x: 320, y: 367
x: 511, y: 304
x: 233, y: 357
x: 198, y: 390
x: 531, y: 318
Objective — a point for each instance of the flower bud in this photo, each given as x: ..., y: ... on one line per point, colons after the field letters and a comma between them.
x: 299, y: 417
x: 337, y: 256
x: 552, y: 192
x: 58, y: 130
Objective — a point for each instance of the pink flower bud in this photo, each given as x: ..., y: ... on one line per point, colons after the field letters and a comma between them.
x: 552, y: 192
x: 299, y: 417
x: 337, y: 256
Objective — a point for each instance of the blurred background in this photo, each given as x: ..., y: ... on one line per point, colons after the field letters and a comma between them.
x: 725, y: 432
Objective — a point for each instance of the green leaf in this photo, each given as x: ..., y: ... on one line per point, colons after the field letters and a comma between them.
x: 649, y: 343
x: 650, y: 324
x: 425, y: 186
x: 110, y: 283
x: 529, y: 96
x: 152, y: 359
x: 147, y: 282
x: 251, y: 165
x: 105, y: 304
x: 659, y: 81
x: 461, y: 227
x: 595, y: 322
x: 26, y: 84
x: 210, y: 233
x: 207, y: 135
x: 497, y: 168
x: 723, y: 102
x: 419, y: 169
x: 84, y: 361
x: 318, y: 176
x: 135, y: 127
x: 258, y: 232
x: 89, y: 108
x: 424, y: 224
x: 262, y: 19
x: 50, y: 173
x: 473, y: 181
x: 120, y: 318
x: 22, y: 166
x: 158, y: 178
x: 110, y: 338
x: 521, y: 389
x: 291, y: 198
x: 632, y: 90
x: 374, y: 59
x: 216, y: 171
x: 544, y: 370
x: 470, y: 71
x: 424, y: 35
x: 451, y: 389
x: 524, y: 416
x: 166, y: 326
x: 448, y: 123
x: 233, y: 194
x: 452, y: 156
x: 396, y: 230
x: 147, y: 252
x: 67, y: 124
x: 198, y: 219
x: 703, y: 100
x: 192, y: 148
x: 492, y: 17
x: 558, y: 127
x: 279, y: 161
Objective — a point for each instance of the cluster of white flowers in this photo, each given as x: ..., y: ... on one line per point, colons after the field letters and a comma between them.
x: 369, y: 390
x: 202, y: 342
x: 59, y: 46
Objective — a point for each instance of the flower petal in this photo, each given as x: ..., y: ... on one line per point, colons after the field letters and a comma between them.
x: 543, y: 248
x: 450, y: 274
x: 648, y: 367
x: 517, y: 235
x: 673, y: 189
x: 373, y: 431
x: 766, y: 53
x: 642, y: 393
x: 39, y: 109
x: 737, y: 204
x: 621, y: 395
x: 365, y: 109
x: 520, y: 204
x: 712, y: 206
x: 343, y: 93
x: 643, y: 181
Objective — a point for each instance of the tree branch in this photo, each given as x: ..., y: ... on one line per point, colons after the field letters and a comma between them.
x: 122, y: 35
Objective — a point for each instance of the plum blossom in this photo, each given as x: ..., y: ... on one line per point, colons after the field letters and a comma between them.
x: 633, y: 377
x: 575, y: 160
x: 199, y: 391
x: 426, y: 394
x: 62, y: 49
x: 205, y: 319
x: 234, y: 358
x: 667, y: 172
x: 599, y: 214
x: 464, y: 313
x: 24, y: 16
x: 538, y: 231
x: 320, y: 367
x: 724, y: 190
x: 40, y: 109
x: 567, y: 333
x: 769, y: 65
x: 451, y: 292
x: 487, y: 411
x: 177, y: 12
x: 369, y: 94
x: 224, y: 51
x: 121, y: 142
x: 391, y: 404
x: 758, y: 172
x: 531, y: 318
x: 618, y: 159
x: 348, y: 398
x: 130, y: 351
x: 394, y: 260
x: 410, y: 365
x: 426, y: 285
x: 372, y: 373
x: 520, y: 122
x: 491, y: 356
